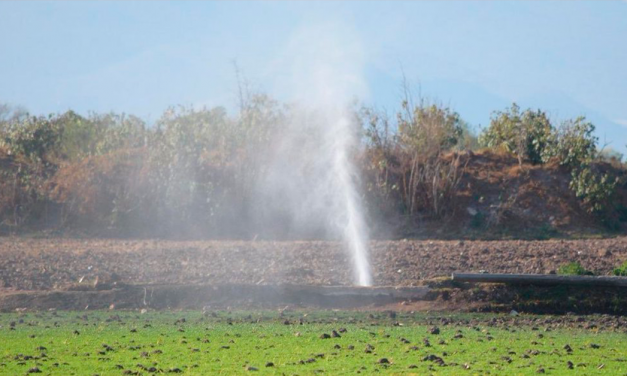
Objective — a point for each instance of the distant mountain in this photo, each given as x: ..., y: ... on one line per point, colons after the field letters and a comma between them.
x: 475, y: 104
x: 560, y: 106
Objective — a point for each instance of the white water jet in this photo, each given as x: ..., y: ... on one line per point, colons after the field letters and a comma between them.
x: 314, y: 175
x: 355, y: 230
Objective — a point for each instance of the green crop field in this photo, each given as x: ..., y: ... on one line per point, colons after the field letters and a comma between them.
x: 308, y: 342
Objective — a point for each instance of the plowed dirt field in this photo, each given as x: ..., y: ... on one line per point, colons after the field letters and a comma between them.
x: 44, y: 264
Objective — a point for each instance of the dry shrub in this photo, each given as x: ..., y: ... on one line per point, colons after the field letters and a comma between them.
x: 415, y: 165
x: 98, y: 189
x: 21, y: 190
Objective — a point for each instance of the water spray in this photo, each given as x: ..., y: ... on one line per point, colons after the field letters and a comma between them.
x: 315, y: 177
x: 355, y: 231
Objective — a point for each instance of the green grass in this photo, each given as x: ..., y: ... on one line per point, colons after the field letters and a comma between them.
x: 222, y: 343
x: 621, y: 270
x: 573, y: 268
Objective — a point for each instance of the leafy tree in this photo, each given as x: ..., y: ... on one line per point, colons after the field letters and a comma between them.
x: 573, y: 144
x: 596, y: 191
x: 526, y: 134
x: 34, y: 138
x: 429, y: 129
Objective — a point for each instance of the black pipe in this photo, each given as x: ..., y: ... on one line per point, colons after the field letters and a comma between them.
x: 541, y: 279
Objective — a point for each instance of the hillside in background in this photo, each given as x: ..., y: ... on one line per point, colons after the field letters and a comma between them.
x: 500, y: 199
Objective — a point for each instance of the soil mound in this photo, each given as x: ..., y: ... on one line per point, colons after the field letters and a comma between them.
x: 500, y: 198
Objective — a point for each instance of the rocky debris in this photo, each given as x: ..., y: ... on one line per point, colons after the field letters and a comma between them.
x: 434, y: 358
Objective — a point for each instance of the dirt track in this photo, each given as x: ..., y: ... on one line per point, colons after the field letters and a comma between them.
x: 42, y: 264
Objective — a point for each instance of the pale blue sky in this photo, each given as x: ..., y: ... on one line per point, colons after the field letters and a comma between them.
x: 569, y: 58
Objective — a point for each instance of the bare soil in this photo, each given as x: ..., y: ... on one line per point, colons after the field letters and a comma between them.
x: 62, y: 264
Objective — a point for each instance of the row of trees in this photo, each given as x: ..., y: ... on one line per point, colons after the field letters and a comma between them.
x: 532, y: 137
x: 195, y: 170
x: 414, y: 161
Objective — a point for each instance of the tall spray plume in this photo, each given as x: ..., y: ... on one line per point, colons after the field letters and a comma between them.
x: 313, y: 176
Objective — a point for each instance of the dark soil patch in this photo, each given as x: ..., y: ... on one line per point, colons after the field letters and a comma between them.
x: 75, y: 274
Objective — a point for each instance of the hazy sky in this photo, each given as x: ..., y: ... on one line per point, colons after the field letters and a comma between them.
x: 569, y: 58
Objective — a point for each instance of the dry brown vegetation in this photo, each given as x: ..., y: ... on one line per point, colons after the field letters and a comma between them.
x: 194, y: 174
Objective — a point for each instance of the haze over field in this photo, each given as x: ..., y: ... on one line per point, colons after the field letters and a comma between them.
x: 140, y: 58
x: 274, y: 187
